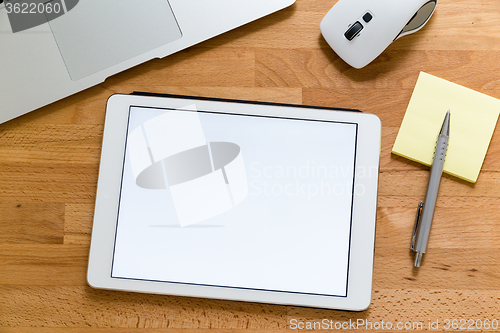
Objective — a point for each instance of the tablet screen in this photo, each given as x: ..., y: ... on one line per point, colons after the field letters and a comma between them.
x: 238, y: 201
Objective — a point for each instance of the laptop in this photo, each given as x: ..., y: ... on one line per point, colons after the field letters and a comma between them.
x: 90, y: 40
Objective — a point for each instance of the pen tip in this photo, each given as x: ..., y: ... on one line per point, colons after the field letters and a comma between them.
x: 445, y: 128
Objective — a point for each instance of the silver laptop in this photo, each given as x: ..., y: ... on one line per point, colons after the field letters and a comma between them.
x: 90, y: 40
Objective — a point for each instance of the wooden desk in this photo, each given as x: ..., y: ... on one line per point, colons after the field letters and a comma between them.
x: 49, y: 162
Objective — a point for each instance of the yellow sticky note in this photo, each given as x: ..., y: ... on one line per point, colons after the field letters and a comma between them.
x: 473, y: 117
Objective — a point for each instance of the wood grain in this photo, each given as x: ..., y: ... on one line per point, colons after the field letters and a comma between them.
x: 49, y: 163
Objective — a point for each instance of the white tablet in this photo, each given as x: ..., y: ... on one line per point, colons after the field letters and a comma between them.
x: 236, y: 200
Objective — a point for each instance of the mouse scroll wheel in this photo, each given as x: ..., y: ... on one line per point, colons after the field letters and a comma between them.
x: 353, y: 31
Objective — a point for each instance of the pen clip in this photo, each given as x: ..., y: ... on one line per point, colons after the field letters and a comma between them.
x: 417, y: 221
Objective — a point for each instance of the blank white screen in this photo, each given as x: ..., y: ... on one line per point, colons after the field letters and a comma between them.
x: 291, y: 232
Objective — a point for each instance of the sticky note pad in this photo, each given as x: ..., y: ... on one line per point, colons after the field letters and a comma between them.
x: 473, y: 117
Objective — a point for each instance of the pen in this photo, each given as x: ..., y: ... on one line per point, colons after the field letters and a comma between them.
x: 425, y: 210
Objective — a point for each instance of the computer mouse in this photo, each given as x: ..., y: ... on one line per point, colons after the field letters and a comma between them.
x: 360, y: 30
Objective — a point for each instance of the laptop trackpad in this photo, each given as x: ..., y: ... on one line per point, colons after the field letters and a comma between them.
x: 98, y: 34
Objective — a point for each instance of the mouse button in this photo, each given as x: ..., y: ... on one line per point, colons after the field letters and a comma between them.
x: 367, y: 17
x: 353, y: 31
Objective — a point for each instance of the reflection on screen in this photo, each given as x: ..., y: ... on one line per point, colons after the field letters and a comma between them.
x: 236, y: 201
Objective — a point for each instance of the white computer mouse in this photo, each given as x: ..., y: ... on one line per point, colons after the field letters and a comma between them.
x: 360, y: 30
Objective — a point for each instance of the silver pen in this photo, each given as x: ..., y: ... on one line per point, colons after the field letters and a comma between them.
x: 425, y: 210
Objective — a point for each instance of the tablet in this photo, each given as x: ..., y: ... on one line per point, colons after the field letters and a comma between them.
x: 236, y: 200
